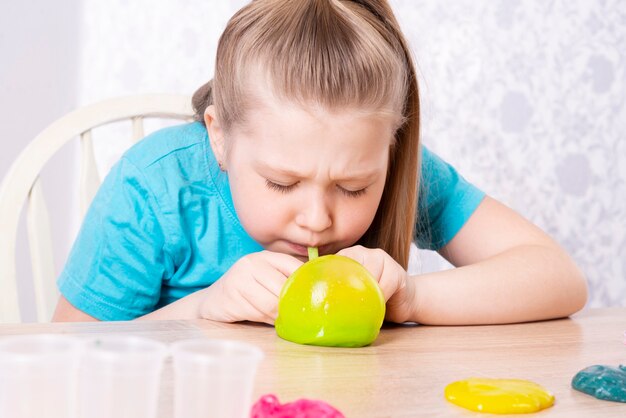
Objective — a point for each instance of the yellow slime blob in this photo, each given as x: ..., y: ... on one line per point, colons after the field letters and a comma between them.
x: 499, y: 396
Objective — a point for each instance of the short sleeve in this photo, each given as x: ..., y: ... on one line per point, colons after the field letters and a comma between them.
x: 117, y: 264
x: 445, y: 202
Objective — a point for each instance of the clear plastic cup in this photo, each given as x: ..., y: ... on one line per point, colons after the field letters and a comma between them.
x: 214, y: 378
x: 120, y: 377
x: 38, y: 376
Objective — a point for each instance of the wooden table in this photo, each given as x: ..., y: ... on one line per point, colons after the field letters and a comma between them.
x: 403, y: 374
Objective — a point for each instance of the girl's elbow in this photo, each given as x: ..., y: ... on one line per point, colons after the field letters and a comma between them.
x: 578, y: 290
x: 571, y: 289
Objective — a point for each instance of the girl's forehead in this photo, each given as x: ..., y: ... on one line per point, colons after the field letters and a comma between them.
x: 264, y: 105
x: 289, y: 117
x: 303, y: 124
x: 290, y: 138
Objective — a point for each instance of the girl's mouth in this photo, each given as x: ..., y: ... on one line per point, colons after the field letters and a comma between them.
x: 302, y: 250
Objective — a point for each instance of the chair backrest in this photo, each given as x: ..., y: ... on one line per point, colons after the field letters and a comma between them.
x: 22, y: 185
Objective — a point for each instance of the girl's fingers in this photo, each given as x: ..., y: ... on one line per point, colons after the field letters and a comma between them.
x: 261, y: 305
x: 269, y: 278
x: 356, y: 253
x: 379, y: 264
x: 390, y: 281
x: 372, y: 260
x: 270, y: 270
x: 284, y: 263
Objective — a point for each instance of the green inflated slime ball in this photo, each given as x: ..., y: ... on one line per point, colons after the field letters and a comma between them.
x: 331, y: 301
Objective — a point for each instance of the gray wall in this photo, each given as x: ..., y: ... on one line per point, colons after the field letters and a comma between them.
x: 39, y: 57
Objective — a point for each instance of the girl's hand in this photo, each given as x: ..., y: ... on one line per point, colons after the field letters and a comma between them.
x: 249, y: 290
x: 398, y: 289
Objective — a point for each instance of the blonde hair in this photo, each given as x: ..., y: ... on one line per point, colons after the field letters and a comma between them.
x: 337, y: 55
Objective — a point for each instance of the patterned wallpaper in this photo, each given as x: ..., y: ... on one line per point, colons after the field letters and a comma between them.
x: 525, y: 98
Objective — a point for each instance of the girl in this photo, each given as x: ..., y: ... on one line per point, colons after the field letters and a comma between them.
x: 308, y: 135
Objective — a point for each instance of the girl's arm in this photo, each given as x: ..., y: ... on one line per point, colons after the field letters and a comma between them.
x: 66, y: 312
x: 185, y: 308
x: 248, y: 291
x: 508, y: 271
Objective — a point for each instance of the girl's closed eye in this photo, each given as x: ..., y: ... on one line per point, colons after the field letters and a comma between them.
x: 285, y: 188
x: 352, y: 193
x: 282, y: 188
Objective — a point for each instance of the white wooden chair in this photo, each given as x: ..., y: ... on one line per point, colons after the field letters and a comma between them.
x: 22, y: 184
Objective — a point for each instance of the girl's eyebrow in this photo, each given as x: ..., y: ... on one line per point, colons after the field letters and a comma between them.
x: 277, y: 170
x: 266, y: 168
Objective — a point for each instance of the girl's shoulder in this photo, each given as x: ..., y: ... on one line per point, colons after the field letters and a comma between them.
x: 445, y: 203
x: 169, y: 145
x: 171, y: 159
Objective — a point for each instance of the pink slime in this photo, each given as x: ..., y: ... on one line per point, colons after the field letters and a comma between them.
x: 269, y: 407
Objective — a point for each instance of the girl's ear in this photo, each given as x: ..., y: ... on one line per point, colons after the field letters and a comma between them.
x: 216, y: 135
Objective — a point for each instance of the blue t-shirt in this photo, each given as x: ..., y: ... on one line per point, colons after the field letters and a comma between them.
x: 163, y: 225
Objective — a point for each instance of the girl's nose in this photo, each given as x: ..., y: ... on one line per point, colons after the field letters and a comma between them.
x: 314, y: 216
